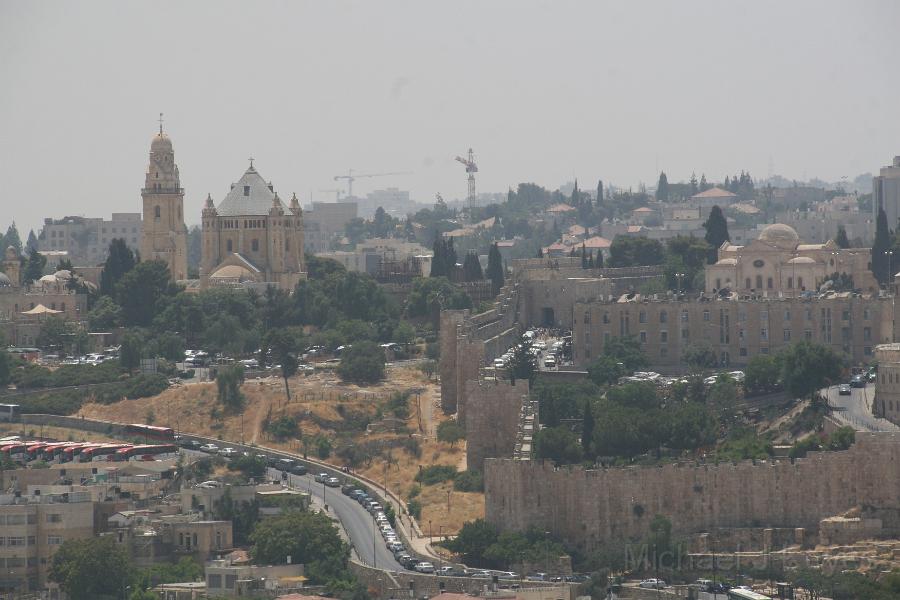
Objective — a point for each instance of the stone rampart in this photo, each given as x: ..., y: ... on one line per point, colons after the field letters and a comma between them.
x: 492, y: 419
x: 591, y: 507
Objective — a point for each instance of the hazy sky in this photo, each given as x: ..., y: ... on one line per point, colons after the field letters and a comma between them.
x: 543, y: 91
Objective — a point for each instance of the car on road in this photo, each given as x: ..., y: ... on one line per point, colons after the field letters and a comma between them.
x: 395, y: 546
x: 190, y: 444
x: 844, y: 389
x: 321, y: 477
x: 549, y: 362
x: 537, y: 577
x: 425, y: 567
x: 333, y: 482
x: 209, y: 448
x: 481, y: 574
x: 858, y: 381
x: 228, y: 452
x: 652, y: 584
x: 508, y: 575
x: 299, y: 470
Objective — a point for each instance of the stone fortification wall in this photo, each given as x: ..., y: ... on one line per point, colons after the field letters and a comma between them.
x: 591, y: 507
x: 492, y: 419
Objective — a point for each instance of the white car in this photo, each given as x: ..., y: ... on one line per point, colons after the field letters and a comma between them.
x: 211, y: 448
x: 653, y: 584
x: 228, y: 452
x: 425, y: 567
x: 549, y: 362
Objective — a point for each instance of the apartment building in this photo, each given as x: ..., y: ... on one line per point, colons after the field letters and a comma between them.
x: 86, y: 240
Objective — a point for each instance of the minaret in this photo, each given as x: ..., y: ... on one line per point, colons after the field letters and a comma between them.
x: 209, y: 232
x: 164, y: 236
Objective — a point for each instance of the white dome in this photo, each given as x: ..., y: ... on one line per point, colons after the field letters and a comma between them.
x: 778, y: 232
x: 161, y: 143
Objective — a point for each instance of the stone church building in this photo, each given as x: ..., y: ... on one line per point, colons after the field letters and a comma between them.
x: 252, y: 239
x: 164, y: 236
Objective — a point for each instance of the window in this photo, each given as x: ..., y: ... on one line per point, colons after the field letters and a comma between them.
x: 230, y: 581
x: 764, y: 350
x: 763, y: 333
x: 156, y: 212
x: 15, y: 520
x: 15, y: 541
x: 743, y: 352
x: 769, y: 284
x: 742, y: 315
x: 809, y: 314
x: 214, y: 581
x: 790, y: 283
x: 663, y: 352
x: 845, y: 315
x: 663, y: 317
x: 664, y: 336
x: 867, y: 334
x: 643, y: 337
x: 800, y: 283
x: 642, y: 317
x: 228, y: 246
x: 54, y: 518
x: 684, y: 316
x: 787, y: 315
x: 866, y: 314
x: 287, y: 245
x: 740, y: 334
x: 807, y: 335
x: 706, y: 315
x: 605, y: 318
x: 787, y: 335
x: 685, y: 334
x: 867, y: 350
x: 747, y: 283
x: 587, y: 317
x: 246, y: 190
x: 759, y: 282
x: 254, y: 245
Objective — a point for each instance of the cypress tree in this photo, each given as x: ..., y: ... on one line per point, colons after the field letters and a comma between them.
x: 119, y: 261
x: 841, y: 238
x: 495, y: 268
x: 662, y: 187
x: 882, y: 244
x: 472, y: 268
x: 716, y: 232
x: 540, y: 252
x: 599, y: 192
x: 583, y: 257
x: 12, y: 239
x: 32, y: 241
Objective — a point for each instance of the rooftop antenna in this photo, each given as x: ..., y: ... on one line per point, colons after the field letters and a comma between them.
x: 160, y: 123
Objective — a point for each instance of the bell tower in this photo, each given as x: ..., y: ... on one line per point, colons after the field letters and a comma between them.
x: 164, y: 235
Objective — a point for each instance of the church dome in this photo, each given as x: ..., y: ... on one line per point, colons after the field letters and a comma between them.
x: 5, y: 281
x: 779, y: 233
x: 235, y: 272
x: 161, y: 143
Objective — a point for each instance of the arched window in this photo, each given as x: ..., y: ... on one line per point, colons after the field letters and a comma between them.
x: 156, y: 211
x: 800, y: 282
x: 228, y: 246
x: 606, y: 317
x: 747, y: 283
x: 790, y: 283
x: 759, y: 282
x: 769, y: 283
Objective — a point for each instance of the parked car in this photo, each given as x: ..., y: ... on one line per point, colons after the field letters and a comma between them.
x: 190, y: 444
x: 333, y: 482
x: 210, y: 448
x: 537, y: 577
x: 446, y: 571
x: 347, y: 489
x: 858, y: 381
x: 395, y: 546
x: 508, y: 575
x: 844, y: 389
x: 228, y: 452
x: 652, y: 584
x: 299, y: 470
x: 321, y: 477
x: 425, y: 567
x: 482, y: 574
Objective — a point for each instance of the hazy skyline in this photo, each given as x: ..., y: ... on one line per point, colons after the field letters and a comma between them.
x: 542, y: 91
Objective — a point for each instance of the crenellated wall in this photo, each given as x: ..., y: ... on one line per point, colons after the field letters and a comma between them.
x: 492, y: 419
x: 592, y: 507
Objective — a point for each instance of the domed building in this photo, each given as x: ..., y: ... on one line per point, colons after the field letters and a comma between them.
x: 779, y: 263
x: 252, y: 238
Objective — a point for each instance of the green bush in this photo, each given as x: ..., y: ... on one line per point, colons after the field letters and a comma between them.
x: 415, y: 508
x: 283, y: 427
x: 362, y: 364
x: 434, y: 474
x: 469, y: 481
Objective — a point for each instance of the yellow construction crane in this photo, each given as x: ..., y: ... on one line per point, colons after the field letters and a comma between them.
x: 350, y: 177
x: 471, y: 169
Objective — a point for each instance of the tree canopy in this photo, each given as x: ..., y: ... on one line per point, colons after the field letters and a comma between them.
x: 308, y: 538
x: 716, y: 232
x: 92, y: 568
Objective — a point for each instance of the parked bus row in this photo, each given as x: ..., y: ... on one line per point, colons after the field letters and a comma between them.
x: 63, y: 452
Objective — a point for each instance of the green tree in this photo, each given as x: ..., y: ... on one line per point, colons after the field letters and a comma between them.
x: 284, y: 351
x: 881, y: 244
x: 473, y: 540
x: 806, y: 367
x: 12, y: 239
x: 228, y: 383
x: 841, y: 238
x: 495, y: 268
x: 700, y: 357
x: 450, y: 432
x: 362, y: 364
x: 762, y: 374
x: 691, y: 426
x: 120, y: 261
x: 621, y: 356
x: 308, y: 538
x: 5, y: 371
x: 587, y: 431
x: 141, y: 290
x: 429, y: 294
x: 472, y: 268
x: 628, y: 251
x: 523, y: 364
x: 130, y: 352
x: 53, y: 334
x: 559, y: 445
x: 34, y: 266
x: 662, y: 187
x: 716, y: 233
x: 91, y: 569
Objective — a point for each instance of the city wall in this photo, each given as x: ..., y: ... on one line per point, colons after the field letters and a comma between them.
x: 493, y: 408
x: 591, y: 507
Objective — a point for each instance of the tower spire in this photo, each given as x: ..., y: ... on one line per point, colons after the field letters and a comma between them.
x: 160, y: 123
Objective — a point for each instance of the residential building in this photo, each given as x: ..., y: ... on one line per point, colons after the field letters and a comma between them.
x: 225, y: 579
x: 887, y: 386
x: 886, y: 193
x: 252, y: 239
x: 394, y: 201
x: 331, y: 217
x: 86, y: 240
x: 737, y: 326
x: 778, y: 263
x: 32, y: 528
x: 164, y: 236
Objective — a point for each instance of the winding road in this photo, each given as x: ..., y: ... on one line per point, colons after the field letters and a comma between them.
x: 854, y: 409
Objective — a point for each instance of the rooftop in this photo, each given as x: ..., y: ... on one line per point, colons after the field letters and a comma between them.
x: 250, y: 196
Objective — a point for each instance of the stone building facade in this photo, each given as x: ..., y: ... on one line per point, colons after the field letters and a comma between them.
x: 777, y: 263
x: 736, y: 327
x: 164, y: 236
x: 887, y: 388
x: 590, y: 508
x: 252, y: 237
x: 86, y: 240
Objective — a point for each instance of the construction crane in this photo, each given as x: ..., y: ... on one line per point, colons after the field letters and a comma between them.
x: 350, y: 177
x: 471, y: 169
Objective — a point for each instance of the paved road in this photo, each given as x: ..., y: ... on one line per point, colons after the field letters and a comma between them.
x: 357, y: 522
x: 855, y: 409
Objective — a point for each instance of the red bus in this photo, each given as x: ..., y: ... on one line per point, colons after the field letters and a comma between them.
x: 142, y: 451
x: 71, y: 452
x: 51, y: 451
x: 166, y: 434
x: 89, y: 454
x: 13, y: 449
x: 34, y: 450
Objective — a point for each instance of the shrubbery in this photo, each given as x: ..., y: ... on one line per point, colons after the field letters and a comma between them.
x: 434, y: 474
